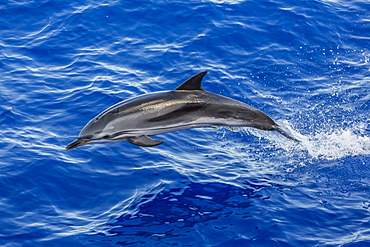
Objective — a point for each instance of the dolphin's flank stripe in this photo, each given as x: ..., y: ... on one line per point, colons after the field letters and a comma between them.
x: 177, y: 113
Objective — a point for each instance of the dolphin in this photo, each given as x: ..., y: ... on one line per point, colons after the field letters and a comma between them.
x: 188, y: 106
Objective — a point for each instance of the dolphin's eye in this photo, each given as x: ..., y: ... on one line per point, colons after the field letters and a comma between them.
x: 96, y: 119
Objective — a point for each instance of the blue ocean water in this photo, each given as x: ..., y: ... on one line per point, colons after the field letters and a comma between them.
x: 304, y: 63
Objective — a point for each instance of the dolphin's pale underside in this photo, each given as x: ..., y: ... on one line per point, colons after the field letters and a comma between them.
x: 188, y: 106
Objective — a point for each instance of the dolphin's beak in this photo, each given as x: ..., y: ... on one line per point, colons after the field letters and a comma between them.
x: 77, y: 143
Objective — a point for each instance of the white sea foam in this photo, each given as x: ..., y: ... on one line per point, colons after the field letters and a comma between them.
x: 338, y: 143
x: 325, y: 144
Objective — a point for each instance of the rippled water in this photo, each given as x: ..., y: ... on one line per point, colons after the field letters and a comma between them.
x: 305, y: 64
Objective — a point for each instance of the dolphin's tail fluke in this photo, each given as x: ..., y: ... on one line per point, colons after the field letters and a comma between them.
x: 285, y: 132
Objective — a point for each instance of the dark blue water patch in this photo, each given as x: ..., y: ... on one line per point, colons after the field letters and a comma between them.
x: 358, y: 244
x: 7, y: 117
x: 174, y: 215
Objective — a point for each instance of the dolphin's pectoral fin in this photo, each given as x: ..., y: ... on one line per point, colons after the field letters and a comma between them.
x: 144, y: 141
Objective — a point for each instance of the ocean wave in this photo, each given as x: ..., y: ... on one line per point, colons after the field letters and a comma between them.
x: 305, y: 64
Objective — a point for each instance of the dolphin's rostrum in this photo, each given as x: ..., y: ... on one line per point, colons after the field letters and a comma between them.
x: 188, y: 106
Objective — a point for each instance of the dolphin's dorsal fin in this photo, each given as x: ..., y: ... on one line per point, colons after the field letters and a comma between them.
x: 193, y: 83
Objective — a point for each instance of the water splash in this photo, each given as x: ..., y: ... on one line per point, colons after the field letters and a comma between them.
x: 326, y: 144
x: 338, y: 143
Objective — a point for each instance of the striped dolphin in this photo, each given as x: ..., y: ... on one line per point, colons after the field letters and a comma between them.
x: 188, y: 106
